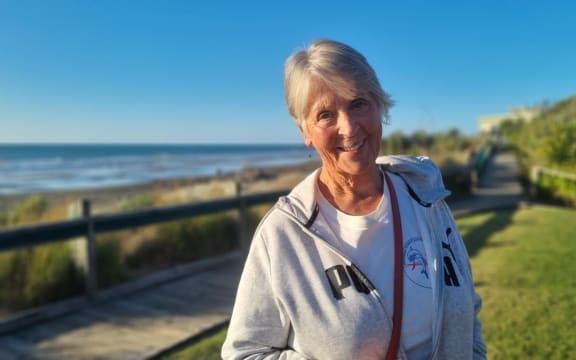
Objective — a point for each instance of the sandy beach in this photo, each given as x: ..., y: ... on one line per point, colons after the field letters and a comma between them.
x: 174, y: 191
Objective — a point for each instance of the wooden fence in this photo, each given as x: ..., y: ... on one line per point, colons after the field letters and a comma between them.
x: 89, y: 225
x: 537, y: 172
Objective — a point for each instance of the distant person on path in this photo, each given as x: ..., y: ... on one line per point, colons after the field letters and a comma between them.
x: 362, y: 260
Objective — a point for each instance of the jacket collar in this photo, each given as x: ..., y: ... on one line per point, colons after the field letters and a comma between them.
x: 421, y: 175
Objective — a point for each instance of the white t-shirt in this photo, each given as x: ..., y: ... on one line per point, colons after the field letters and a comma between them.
x: 369, y: 243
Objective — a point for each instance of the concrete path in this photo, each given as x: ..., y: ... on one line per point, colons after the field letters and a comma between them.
x: 144, y: 323
x: 498, y: 187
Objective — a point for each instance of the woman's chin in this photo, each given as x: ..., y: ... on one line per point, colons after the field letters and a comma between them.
x: 355, y: 166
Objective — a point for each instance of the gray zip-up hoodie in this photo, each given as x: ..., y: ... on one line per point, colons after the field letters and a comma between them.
x: 300, y: 298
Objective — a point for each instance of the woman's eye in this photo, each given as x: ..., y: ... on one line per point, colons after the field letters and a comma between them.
x: 325, y: 119
x: 359, y: 104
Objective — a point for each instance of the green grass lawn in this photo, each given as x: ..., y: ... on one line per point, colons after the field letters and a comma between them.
x: 524, y: 268
x: 207, y: 349
x: 523, y: 263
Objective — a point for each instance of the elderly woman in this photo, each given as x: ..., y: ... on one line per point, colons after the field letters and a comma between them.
x: 362, y: 260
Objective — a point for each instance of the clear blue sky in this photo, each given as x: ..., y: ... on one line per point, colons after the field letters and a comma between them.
x: 211, y: 71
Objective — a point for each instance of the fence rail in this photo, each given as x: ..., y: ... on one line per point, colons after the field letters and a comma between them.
x: 536, y: 173
x: 25, y: 236
x: 89, y: 225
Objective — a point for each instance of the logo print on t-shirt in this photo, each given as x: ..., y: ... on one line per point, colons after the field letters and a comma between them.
x: 415, y: 263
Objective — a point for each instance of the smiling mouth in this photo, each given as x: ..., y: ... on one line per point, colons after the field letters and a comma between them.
x: 351, y: 148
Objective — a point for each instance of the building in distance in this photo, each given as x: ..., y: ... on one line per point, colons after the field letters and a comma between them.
x: 490, y: 123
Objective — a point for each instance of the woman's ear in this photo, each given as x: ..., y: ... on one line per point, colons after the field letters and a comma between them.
x: 307, y: 140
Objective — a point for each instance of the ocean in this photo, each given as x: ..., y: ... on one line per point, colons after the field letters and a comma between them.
x: 27, y: 168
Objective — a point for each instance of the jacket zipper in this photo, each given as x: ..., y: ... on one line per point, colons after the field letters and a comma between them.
x: 365, y: 280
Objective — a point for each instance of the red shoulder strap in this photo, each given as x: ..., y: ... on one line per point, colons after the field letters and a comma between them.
x: 398, y: 273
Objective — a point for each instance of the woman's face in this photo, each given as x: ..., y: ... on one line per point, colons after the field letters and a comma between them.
x: 345, y: 132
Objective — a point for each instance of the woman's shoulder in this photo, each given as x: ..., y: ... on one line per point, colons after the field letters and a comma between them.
x: 407, y: 163
x: 419, y: 173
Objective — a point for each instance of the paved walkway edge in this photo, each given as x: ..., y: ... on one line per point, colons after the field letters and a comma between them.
x: 190, y: 341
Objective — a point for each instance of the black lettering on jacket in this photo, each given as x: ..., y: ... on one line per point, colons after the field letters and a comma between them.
x: 450, y: 275
x: 450, y: 278
x: 341, y: 276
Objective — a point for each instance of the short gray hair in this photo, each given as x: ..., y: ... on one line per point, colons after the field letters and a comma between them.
x: 343, y: 69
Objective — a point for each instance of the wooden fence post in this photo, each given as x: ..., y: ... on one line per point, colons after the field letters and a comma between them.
x: 242, y: 220
x: 77, y: 245
x: 90, y: 251
x: 534, y: 179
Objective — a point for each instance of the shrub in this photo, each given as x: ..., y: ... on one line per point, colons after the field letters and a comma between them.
x: 137, y: 202
x: 110, y: 269
x: 12, y: 277
x: 48, y: 273
x: 186, y: 240
x: 36, y: 276
x: 558, y: 188
x: 51, y: 275
x: 31, y: 210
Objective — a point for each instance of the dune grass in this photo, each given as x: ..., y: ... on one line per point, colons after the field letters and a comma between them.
x: 523, y: 267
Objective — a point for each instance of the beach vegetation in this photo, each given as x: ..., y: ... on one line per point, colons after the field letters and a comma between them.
x: 182, y: 241
x: 50, y: 275
x: 217, y: 191
x: 36, y: 276
x: 111, y: 269
x: 44, y: 274
x: 558, y: 188
x: 548, y: 140
x: 137, y: 202
x: 456, y: 155
x: 31, y: 210
x: 442, y: 145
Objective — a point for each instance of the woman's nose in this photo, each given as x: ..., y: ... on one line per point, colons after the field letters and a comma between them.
x: 347, y: 123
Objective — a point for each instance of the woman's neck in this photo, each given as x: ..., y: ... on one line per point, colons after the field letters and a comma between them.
x: 352, y: 194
